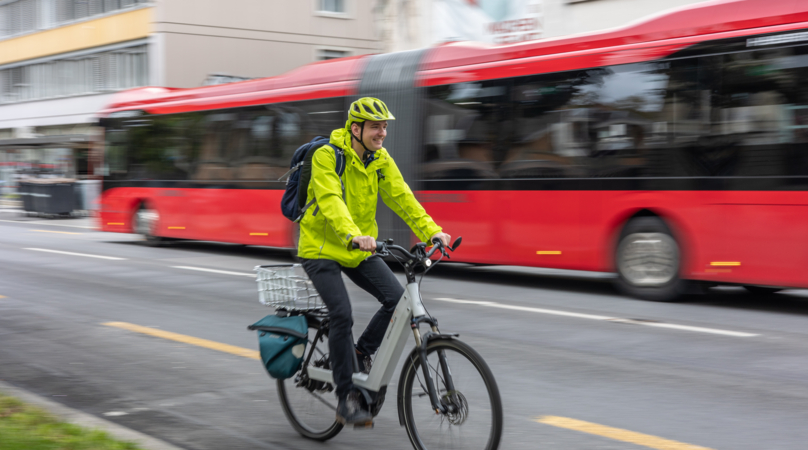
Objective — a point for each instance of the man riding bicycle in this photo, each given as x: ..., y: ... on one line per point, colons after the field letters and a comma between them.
x: 340, y: 219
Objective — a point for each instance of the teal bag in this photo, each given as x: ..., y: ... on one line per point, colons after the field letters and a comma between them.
x: 282, y: 342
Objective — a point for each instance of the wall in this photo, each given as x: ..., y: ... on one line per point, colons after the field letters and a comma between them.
x: 253, y: 38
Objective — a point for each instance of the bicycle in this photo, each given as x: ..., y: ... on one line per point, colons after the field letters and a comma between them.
x: 464, y: 409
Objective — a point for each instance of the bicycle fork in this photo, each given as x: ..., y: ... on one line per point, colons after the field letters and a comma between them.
x: 421, y: 343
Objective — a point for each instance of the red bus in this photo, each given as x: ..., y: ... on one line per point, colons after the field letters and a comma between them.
x: 673, y: 151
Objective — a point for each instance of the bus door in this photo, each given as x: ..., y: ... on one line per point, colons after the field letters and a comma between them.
x: 755, y: 168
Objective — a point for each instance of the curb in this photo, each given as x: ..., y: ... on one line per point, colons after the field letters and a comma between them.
x: 83, y: 419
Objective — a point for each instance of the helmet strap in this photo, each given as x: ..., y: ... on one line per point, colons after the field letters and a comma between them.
x: 361, y: 140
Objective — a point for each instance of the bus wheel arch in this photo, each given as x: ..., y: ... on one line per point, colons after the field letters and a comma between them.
x: 648, y: 257
x: 145, y: 220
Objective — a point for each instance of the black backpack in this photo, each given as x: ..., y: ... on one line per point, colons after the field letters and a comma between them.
x: 293, y: 203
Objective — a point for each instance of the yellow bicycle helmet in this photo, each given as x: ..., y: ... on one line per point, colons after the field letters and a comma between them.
x: 367, y: 108
x: 362, y: 110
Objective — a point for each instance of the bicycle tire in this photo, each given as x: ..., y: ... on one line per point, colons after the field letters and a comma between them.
x: 453, y: 432
x: 304, y: 403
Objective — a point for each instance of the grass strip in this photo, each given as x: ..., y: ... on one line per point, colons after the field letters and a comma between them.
x: 24, y: 427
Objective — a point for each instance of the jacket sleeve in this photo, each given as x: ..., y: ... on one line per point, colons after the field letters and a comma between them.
x: 328, y: 191
x: 397, y: 195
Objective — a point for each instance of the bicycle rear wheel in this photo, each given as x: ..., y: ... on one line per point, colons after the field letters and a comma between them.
x: 476, y: 423
x: 311, y: 406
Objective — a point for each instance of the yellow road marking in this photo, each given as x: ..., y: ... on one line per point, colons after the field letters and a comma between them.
x: 548, y: 252
x: 725, y: 263
x: 259, y: 234
x: 199, y: 342
x: 617, y: 433
x: 60, y: 232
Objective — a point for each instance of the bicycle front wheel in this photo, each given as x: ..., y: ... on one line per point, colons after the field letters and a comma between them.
x: 476, y: 418
x: 311, y: 406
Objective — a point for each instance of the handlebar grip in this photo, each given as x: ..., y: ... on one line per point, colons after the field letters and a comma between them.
x: 379, y: 246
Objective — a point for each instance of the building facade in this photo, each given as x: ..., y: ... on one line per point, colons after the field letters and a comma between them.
x: 62, y: 60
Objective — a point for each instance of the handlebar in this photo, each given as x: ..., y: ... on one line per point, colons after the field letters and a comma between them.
x: 437, y: 244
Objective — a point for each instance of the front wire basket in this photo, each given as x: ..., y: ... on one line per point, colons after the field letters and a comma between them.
x: 287, y: 287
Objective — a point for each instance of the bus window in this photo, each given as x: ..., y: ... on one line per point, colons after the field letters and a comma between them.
x: 551, y: 136
x: 762, y: 108
x: 214, y: 158
x: 265, y: 138
x: 466, y: 125
x: 115, y: 154
x: 177, y: 145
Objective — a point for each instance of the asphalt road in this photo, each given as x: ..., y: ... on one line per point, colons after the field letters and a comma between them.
x: 723, y: 371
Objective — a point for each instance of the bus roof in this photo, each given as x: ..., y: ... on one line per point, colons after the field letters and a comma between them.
x: 689, y: 21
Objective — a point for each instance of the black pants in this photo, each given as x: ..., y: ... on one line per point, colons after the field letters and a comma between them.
x: 372, y: 275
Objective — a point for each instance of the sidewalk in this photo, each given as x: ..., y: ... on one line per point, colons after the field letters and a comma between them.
x: 18, y: 215
x: 85, y: 420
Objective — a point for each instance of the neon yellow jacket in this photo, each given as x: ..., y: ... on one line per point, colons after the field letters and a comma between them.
x: 329, y: 225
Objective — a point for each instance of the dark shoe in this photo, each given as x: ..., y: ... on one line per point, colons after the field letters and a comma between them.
x: 351, y: 410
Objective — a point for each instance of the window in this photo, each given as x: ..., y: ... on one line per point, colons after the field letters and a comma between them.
x: 590, y: 123
x: 333, y: 6
x: 93, y: 73
x: 252, y: 145
x: 25, y: 16
x: 265, y: 138
x: 324, y: 54
x: 466, y: 129
x: 587, y: 123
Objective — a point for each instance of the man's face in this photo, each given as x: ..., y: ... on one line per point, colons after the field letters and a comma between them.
x: 374, y: 134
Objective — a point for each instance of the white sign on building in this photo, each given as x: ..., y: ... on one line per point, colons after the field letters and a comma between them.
x: 491, y: 21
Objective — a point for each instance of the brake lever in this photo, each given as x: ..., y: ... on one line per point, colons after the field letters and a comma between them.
x: 382, y: 249
x: 443, y: 251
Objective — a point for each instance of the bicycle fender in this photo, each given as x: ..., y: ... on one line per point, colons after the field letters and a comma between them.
x: 425, y: 340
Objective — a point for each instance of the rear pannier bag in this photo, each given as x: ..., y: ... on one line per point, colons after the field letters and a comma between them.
x: 282, y: 343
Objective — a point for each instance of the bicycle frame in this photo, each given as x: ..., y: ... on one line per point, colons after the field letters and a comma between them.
x: 392, y: 346
x: 409, y: 312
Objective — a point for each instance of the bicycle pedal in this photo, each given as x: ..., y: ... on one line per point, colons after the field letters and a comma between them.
x: 364, y: 426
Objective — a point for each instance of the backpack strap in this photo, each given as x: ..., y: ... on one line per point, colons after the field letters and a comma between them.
x: 340, y: 167
x: 291, y: 171
x: 339, y: 154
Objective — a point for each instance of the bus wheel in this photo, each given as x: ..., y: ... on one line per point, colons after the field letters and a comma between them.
x: 144, y: 222
x: 647, y: 261
x: 762, y: 290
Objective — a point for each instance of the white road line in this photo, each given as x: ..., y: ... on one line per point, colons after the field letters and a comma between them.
x: 603, y: 318
x: 76, y: 254
x: 49, y: 224
x: 224, y: 272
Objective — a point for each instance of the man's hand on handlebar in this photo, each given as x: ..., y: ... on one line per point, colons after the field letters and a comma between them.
x: 445, y: 238
x: 365, y: 243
